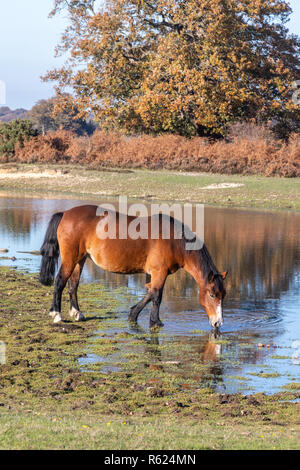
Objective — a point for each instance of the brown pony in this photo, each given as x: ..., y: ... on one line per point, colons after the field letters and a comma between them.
x: 80, y: 232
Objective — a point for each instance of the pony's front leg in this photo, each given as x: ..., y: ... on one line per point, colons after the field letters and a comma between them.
x: 60, y: 282
x: 136, y: 309
x: 156, y: 301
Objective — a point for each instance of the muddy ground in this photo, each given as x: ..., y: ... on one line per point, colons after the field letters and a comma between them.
x: 47, y: 400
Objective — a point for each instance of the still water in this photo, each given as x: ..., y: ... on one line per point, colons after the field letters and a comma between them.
x: 259, y: 349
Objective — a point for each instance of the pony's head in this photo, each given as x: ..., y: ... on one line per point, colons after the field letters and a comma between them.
x: 211, y: 298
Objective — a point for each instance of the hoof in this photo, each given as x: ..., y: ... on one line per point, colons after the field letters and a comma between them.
x: 156, y: 326
x: 132, y: 318
x: 56, y: 317
x: 76, y: 315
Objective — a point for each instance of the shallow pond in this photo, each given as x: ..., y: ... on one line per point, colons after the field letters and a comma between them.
x: 259, y: 346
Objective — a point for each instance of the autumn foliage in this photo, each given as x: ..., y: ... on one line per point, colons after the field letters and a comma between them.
x: 249, y: 151
x: 189, y: 67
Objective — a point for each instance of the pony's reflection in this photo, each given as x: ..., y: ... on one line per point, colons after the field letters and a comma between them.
x: 188, y: 356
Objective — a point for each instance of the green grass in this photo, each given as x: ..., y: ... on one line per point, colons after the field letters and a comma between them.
x: 71, y: 180
x: 292, y: 386
x: 31, y: 430
x: 265, y: 375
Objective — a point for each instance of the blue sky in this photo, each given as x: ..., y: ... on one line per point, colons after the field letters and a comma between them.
x: 27, y: 42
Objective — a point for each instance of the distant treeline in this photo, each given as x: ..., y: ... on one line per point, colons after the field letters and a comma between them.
x: 7, y: 114
x: 45, y: 117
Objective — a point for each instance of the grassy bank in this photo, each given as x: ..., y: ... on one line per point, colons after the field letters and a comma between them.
x: 48, y: 401
x: 211, y: 189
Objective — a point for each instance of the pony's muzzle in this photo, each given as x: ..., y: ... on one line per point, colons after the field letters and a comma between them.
x: 217, y: 324
x: 216, y: 320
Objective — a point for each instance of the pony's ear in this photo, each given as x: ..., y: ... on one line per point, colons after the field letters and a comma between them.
x: 224, y: 275
x: 210, y: 277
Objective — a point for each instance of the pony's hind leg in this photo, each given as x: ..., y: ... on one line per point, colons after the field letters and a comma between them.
x: 62, y: 277
x: 73, y: 286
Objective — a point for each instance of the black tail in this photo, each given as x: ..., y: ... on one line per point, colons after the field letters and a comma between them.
x: 50, y: 251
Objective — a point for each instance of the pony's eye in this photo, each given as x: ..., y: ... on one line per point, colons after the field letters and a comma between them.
x: 211, y: 295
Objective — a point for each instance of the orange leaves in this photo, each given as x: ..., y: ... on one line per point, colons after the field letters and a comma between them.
x: 251, y: 150
x: 180, y: 66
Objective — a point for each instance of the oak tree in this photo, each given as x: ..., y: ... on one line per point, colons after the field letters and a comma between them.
x: 183, y: 66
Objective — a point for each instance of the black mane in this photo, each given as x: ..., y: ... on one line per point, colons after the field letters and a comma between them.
x: 206, y: 263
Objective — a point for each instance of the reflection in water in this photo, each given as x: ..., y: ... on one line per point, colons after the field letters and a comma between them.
x: 198, y: 360
x: 260, y: 250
